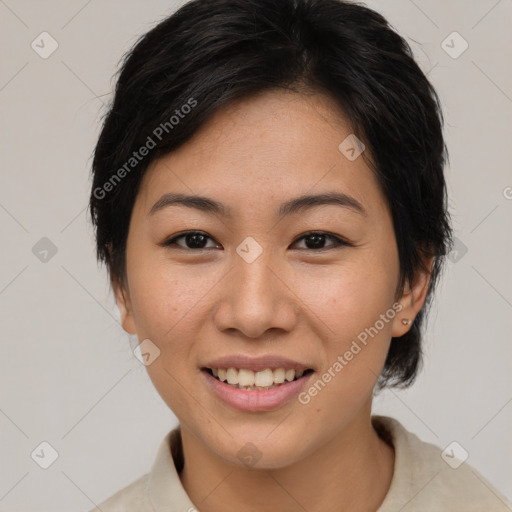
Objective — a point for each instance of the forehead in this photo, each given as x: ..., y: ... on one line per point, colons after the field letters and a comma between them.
x: 269, y: 147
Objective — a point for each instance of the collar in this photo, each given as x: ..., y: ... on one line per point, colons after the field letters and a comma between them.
x: 164, y: 485
x: 166, y: 493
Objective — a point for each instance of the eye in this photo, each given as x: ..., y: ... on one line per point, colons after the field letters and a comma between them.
x: 315, y: 240
x: 193, y: 240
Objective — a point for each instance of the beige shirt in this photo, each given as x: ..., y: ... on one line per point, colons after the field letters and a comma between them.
x: 422, y: 480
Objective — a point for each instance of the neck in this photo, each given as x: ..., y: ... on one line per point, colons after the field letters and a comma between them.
x: 353, y: 470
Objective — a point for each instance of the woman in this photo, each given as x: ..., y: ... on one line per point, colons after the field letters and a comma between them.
x: 269, y: 200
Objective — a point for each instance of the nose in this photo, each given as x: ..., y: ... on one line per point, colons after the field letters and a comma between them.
x: 257, y: 297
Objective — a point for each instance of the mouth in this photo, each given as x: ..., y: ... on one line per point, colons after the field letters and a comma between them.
x: 263, y: 380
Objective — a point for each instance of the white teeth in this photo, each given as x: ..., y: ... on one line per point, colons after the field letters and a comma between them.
x: 279, y: 375
x: 247, y: 379
x: 290, y: 375
x: 264, y: 378
x: 232, y: 376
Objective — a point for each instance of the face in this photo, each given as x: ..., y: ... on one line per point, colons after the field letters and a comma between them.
x: 257, y: 286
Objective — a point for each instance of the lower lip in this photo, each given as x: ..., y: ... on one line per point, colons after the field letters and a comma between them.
x: 254, y: 400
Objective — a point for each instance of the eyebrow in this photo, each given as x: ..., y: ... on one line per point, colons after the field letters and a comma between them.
x: 290, y: 207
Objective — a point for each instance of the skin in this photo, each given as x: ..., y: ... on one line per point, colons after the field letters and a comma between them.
x: 293, y: 300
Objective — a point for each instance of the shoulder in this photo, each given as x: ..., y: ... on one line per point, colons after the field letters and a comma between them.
x: 132, y: 497
x: 159, y: 489
x: 426, y: 478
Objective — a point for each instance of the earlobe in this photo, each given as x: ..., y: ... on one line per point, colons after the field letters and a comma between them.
x: 125, y: 308
x: 412, y: 300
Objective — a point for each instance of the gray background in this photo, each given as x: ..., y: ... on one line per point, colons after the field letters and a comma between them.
x: 68, y: 375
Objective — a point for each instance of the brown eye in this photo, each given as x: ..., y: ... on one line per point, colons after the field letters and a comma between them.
x: 193, y: 240
x: 197, y: 240
x: 316, y: 241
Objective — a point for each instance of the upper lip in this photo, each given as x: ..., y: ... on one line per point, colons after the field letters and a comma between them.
x: 257, y: 364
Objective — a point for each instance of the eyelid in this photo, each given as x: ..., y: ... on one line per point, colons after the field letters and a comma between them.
x: 172, y: 240
x: 337, y: 239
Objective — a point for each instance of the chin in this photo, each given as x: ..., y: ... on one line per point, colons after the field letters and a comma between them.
x: 259, y: 448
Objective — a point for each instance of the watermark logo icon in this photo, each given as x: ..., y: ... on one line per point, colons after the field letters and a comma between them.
x: 146, y: 352
x: 454, y: 45
x: 249, y: 454
x: 458, y: 251
x: 44, y: 455
x: 454, y: 455
x: 44, y: 45
x: 351, y: 147
x: 249, y: 249
x: 44, y: 250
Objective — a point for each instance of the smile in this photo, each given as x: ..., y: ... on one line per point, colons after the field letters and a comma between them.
x: 262, y: 380
x: 249, y: 391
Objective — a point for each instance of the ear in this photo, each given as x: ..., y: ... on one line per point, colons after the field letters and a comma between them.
x: 122, y: 296
x: 412, y: 299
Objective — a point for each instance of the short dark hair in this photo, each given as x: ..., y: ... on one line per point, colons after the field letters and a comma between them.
x: 211, y: 53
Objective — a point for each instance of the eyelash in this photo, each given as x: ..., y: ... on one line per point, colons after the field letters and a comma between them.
x: 338, y: 242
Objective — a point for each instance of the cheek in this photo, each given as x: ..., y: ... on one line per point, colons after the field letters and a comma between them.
x: 349, y: 299
x: 351, y: 296
x: 166, y: 302
x: 164, y: 297
x: 355, y: 339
